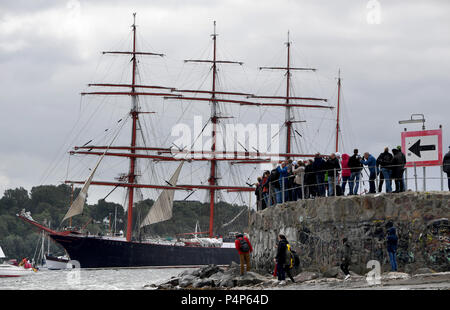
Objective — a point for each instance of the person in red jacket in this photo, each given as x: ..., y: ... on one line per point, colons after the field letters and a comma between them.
x: 244, y: 248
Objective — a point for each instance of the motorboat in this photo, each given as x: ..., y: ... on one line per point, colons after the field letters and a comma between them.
x: 9, y: 270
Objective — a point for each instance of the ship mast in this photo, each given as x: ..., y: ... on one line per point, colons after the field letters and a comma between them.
x: 134, y: 112
x: 212, y: 176
x: 214, y: 120
x: 288, y: 105
x: 288, y: 109
x: 134, y: 116
x: 338, y: 109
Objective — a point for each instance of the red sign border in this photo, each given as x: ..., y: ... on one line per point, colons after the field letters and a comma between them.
x: 424, y: 163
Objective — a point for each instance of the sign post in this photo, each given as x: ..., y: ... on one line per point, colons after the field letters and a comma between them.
x: 422, y: 149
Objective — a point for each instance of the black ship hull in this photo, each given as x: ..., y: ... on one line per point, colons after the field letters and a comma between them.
x: 94, y: 252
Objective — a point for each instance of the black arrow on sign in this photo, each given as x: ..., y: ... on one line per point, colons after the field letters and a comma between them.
x: 416, y: 148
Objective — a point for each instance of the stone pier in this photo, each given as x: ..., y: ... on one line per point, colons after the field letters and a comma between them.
x: 315, y: 229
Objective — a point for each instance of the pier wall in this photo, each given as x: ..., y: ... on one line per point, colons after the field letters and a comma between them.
x: 315, y: 229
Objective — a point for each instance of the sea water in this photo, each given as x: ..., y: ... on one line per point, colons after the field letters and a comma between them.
x: 90, y: 279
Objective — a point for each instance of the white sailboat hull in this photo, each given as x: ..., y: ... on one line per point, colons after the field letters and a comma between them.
x: 56, y: 263
x: 7, y: 270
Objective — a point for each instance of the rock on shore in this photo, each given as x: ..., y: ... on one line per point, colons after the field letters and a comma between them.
x: 215, y: 277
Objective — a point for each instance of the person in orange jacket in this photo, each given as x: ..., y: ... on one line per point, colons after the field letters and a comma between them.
x: 244, y: 248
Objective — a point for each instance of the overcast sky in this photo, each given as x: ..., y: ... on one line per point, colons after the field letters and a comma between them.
x: 391, y: 67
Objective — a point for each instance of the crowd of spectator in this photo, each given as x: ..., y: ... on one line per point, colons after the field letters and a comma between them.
x: 331, y: 175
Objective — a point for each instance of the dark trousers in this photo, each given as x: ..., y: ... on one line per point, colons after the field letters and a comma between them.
x: 310, y: 190
x: 291, y: 189
x: 448, y: 178
x: 397, y: 175
x: 372, y: 177
x: 320, y: 179
x: 297, y: 191
x: 281, y: 273
x: 380, y: 185
x: 273, y: 196
x: 288, y: 272
x: 344, y: 267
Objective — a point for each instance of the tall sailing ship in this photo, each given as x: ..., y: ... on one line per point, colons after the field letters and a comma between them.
x: 129, y: 251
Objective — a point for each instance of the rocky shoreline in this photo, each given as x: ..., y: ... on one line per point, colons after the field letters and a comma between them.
x: 213, y: 277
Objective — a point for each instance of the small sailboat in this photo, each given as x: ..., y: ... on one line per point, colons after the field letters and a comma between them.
x: 8, y: 270
x: 57, y: 262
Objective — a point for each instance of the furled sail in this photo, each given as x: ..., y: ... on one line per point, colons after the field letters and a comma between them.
x: 162, y: 208
x: 78, y: 205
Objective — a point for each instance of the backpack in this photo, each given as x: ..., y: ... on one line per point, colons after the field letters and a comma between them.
x: 290, y: 257
x: 244, y: 245
x: 296, y: 259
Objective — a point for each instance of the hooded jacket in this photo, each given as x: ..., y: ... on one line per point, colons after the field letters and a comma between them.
x: 319, y: 165
x: 299, y: 174
x: 345, y: 169
x: 392, y: 240
x: 274, y: 178
x: 281, y: 250
x: 398, y: 162
x: 283, y: 174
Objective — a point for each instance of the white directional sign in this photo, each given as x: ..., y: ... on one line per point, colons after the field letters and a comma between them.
x: 422, y: 148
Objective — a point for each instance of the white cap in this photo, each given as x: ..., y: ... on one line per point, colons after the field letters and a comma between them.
x: 337, y: 154
x: 294, y: 162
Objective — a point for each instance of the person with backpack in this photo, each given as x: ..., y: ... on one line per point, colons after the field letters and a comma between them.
x: 244, y: 248
x: 284, y: 260
x: 391, y: 242
x: 346, y: 257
